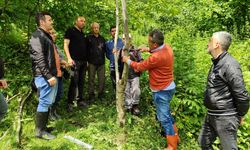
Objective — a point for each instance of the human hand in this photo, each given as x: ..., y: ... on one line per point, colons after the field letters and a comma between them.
x: 52, y: 81
x: 241, y: 120
x: 71, y: 62
x: 125, y: 59
x: 64, y: 64
x: 114, y: 51
x: 144, y: 49
x: 3, y: 84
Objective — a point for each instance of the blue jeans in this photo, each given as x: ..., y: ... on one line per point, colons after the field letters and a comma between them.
x: 225, y: 127
x: 47, y: 93
x: 3, y: 106
x: 162, y: 100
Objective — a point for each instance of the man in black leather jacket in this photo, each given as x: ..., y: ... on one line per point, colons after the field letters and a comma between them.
x: 226, y: 97
x: 44, y: 66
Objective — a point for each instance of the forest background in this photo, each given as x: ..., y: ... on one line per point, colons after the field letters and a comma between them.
x: 187, y: 25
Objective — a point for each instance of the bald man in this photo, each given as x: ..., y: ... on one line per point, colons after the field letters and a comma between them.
x: 96, y: 61
x: 75, y: 47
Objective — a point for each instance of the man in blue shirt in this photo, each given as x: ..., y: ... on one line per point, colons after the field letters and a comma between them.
x: 110, y: 55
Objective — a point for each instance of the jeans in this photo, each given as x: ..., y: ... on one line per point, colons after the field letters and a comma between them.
x: 132, y: 93
x: 3, y: 106
x: 47, y: 93
x: 225, y: 127
x: 162, y: 101
x: 77, y: 81
x: 100, y: 70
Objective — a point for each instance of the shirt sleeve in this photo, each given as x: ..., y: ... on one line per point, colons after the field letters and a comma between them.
x: 68, y: 34
x: 147, y: 64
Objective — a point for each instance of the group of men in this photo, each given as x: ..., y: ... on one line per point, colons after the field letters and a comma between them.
x: 226, y: 97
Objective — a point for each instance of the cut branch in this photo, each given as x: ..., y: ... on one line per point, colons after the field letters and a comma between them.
x: 19, y: 117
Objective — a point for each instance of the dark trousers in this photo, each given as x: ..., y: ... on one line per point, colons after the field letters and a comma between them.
x: 113, y: 78
x: 100, y: 71
x: 59, y: 91
x: 77, y: 81
x: 225, y: 127
x: 3, y: 106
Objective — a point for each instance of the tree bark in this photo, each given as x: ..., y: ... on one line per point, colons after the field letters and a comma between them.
x: 19, y: 117
x: 121, y: 84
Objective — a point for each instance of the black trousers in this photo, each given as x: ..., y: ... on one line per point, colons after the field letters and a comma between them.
x: 77, y: 81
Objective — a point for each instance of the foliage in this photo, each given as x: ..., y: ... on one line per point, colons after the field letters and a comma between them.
x: 187, y: 26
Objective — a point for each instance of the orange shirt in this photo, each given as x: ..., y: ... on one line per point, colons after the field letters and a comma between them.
x: 160, y: 66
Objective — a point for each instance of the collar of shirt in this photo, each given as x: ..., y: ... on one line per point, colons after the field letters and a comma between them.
x: 158, y: 48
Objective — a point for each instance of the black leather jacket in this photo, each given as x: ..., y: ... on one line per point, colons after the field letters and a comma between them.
x: 225, y: 92
x: 42, y: 54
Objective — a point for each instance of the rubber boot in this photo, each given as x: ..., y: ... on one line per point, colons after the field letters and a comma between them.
x: 172, y: 142
x: 52, y: 114
x: 41, y: 122
x: 176, y: 133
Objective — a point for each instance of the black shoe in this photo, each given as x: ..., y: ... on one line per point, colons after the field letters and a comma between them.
x: 101, y: 96
x: 135, y: 110
x: 82, y: 104
x: 52, y: 115
x: 70, y: 108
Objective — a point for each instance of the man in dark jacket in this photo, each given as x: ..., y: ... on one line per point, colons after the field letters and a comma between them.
x: 226, y: 97
x: 3, y: 84
x: 96, y: 61
x: 45, y: 62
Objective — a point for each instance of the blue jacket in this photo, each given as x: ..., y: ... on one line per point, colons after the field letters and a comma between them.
x: 109, y: 51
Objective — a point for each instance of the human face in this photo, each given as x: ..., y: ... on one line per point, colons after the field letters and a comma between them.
x: 53, y: 34
x: 95, y: 28
x: 112, y: 32
x: 212, y: 45
x: 80, y: 22
x: 47, y: 23
x: 151, y: 44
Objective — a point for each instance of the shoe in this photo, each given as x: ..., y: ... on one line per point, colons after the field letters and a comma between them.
x: 101, y: 96
x: 57, y: 116
x: 70, y: 108
x: 41, y: 126
x: 82, y: 104
x: 128, y: 110
x: 135, y: 110
x: 45, y: 135
x: 91, y: 99
x: 52, y: 114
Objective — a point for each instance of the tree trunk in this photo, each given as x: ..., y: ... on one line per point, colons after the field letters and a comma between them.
x: 121, y: 83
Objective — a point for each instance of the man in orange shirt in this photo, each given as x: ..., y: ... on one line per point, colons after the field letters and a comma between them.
x: 161, y: 79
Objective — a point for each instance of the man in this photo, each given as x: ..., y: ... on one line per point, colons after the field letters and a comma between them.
x: 161, y: 79
x: 75, y: 47
x: 110, y: 55
x: 96, y: 61
x: 63, y: 64
x: 226, y: 97
x: 45, y: 66
x: 4, y: 85
x: 132, y: 90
